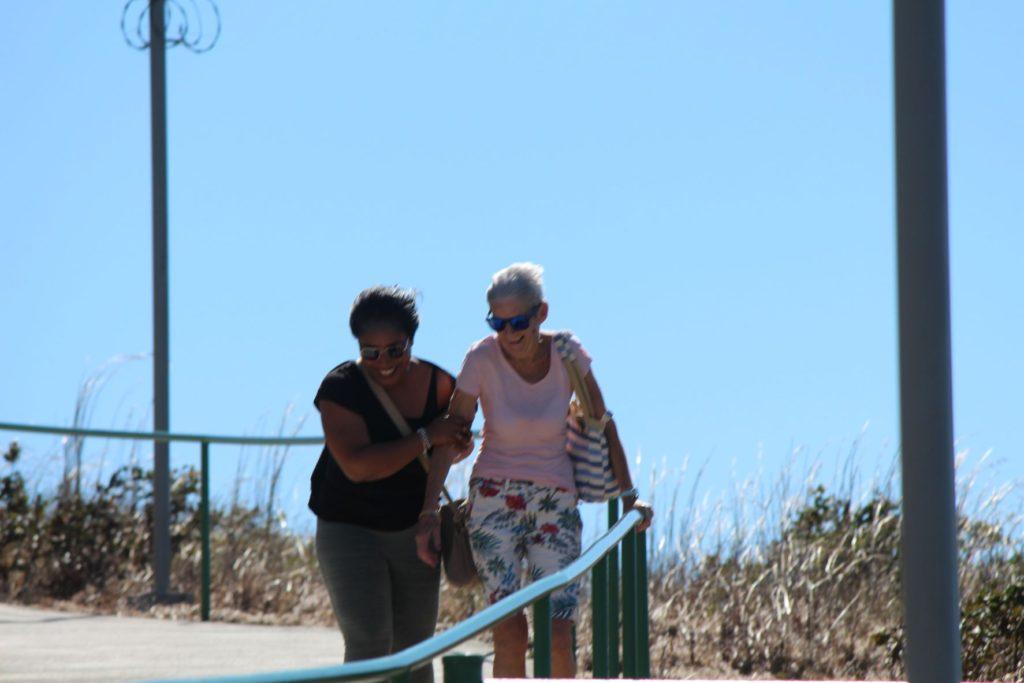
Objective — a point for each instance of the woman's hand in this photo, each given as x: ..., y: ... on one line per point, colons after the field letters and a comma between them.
x: 460, y: 454
x: 428, y: 538
x: 629, y: 503
x: 448, y: 430
x: 463, y: 407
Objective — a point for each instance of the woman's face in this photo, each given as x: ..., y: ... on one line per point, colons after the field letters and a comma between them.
x: 385, y: 353
x: 519, y: 343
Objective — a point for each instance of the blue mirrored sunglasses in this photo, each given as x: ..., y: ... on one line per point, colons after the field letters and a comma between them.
x: 517, y: 322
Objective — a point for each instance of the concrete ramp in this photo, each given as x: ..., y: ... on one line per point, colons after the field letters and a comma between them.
x: 48, y: 645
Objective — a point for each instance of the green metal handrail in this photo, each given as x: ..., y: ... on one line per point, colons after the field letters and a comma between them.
x: 204, y: 441
x: 166, y: 436
x: 398, y: 665
x: 602, y: 557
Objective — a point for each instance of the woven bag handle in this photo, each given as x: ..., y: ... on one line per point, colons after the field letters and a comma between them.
x: 579, y: 387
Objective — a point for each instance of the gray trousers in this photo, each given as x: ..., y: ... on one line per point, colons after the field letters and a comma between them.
x: 384, y: 596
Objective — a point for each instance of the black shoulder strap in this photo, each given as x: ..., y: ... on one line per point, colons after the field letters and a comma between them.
x: 430, y: 409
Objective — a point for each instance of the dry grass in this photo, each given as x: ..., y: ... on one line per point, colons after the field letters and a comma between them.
x: 766, y: 584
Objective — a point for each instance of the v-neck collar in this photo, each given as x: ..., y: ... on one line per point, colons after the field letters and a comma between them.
x: 512, y: 369
x: 431, y: 389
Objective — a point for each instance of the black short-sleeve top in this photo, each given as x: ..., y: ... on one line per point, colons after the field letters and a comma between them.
x: 389, y: 504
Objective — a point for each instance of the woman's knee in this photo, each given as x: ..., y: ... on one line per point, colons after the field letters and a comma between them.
x: 366, y: 643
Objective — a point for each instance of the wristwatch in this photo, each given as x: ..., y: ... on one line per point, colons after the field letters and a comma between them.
x: 630, y: 493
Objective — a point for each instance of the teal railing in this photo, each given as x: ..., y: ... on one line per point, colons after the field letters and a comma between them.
x: 619, y: 607
x: 204, y: 442
x: 467, y: 669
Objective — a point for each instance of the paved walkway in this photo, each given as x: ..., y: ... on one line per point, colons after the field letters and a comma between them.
x: 47, y: 645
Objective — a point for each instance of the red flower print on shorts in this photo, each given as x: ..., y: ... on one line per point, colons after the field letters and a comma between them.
x: 549, y: 529
x: 516, y: 502
x: 488, y: 491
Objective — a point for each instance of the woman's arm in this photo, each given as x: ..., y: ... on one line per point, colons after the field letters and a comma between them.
x: 442, y: 458
x: 463, y: 406
x: 360, y: 460
x: 428, y: 528
x: 620, y: 464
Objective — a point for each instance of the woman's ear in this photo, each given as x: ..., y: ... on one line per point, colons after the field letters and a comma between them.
x: 542, y: 312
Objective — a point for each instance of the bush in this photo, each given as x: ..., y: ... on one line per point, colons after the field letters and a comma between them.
x: 992, y: 629
x: 816, y: 594
x: 57, y: 547
x: 823, y: 599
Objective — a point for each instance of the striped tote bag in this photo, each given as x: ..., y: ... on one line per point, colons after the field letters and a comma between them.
x: 585, y: 441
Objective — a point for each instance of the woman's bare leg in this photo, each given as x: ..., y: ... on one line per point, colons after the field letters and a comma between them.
x: 510, y: 642
x: 563, y: 664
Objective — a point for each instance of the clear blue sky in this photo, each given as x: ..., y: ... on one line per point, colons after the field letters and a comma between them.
x: 708, y: 185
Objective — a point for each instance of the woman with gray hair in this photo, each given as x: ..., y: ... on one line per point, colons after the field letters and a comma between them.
x: 522, y: 492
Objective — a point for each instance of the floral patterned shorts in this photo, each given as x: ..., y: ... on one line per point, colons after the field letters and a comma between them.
x: 511, y: 520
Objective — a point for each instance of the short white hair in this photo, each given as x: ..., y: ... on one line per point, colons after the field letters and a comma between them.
x: 523, y: 281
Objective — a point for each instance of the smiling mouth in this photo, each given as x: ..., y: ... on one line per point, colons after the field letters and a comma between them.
x: 387, y: 373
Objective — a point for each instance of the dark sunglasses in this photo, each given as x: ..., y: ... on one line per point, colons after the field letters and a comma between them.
x: 517, y: 322
x: 394, y: 351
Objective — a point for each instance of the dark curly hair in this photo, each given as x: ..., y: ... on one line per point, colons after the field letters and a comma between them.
x: 384, y: 305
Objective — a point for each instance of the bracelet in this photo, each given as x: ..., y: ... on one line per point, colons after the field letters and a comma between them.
x: 631, y: 493
x: 424, y: 439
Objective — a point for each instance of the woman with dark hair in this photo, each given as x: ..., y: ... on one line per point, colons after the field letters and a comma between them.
x: 368, y: 487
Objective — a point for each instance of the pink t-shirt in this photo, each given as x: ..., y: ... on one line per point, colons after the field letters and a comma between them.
x: 524, y: 424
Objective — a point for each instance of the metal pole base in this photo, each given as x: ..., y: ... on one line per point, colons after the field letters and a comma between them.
x: 147, y: 601
x: 463, y: 668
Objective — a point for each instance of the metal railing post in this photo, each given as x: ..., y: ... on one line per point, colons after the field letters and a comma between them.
x: 542, y: 638
x: 463, y: 668
x: 643, y: 618
x: 599, y: 617
x: 204, y: 513
x: 614, y: 668
x: 629, y: 640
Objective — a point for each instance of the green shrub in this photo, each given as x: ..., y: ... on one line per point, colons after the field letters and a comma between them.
x: 992, y: 629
